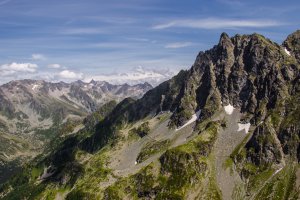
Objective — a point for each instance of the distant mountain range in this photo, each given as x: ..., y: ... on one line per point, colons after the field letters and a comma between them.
x: 29, y: 104
x: 31, y: 109
x: 136, y: 75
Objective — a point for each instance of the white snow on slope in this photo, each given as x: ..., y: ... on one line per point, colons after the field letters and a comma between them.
x: 278, y: 170
x: 287, y: 52
x: 34, y: 86
x: 229, y: 109
x: 193, y: 119
x: 245, y: 127
x: 46, y: 174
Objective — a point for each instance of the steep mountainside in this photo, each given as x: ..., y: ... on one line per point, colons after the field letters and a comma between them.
x: 32, y: 112
x: 228, y: 128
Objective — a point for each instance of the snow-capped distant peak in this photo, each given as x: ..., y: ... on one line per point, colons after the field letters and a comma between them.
x: 135, y: 76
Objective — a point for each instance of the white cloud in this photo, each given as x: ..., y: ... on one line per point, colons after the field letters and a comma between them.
x: 216, y: 23
x: 67, y: 74
x: 38, y: 57
x: 54, y: 66
x: 13, y: 68
x: 177, y: 45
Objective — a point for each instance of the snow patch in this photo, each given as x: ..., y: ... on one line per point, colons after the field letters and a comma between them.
x: 278, y: 170
x: 135, y: 163
x: 193, y: 119
x: 46, y: 174
x: 287, y: 52
x: 229, y: 109
x: 245, y: 127
x: 34, y: 87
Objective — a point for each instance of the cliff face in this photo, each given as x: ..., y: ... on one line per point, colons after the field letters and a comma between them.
x: 249, y: 72
x: 292, y: 44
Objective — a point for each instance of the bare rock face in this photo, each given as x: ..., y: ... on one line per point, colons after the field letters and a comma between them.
x: 262, y: 147
x: 292, y: 44
x: 249, y: 72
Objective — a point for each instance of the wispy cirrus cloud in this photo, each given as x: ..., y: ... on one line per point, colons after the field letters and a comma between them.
x: 82, y: 31
x: 4, y: 2
x: 216, y: 23
x: 38, y: 57
x: 54, y: 66
x: 232, y: 2
x: 177, y: 45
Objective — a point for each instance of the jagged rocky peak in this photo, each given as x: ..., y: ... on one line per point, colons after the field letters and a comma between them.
x: 146, y: 84
x: 292, y: 44
x: 247, y: 71
x: 225, y: 40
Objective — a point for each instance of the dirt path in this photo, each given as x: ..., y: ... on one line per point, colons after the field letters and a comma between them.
x: 227, y: 141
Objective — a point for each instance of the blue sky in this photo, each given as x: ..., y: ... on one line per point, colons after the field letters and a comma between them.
x: 76, y: 39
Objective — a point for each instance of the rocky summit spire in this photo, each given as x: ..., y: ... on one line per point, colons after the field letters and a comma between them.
x: 292, y: 44
x: 224, y: 38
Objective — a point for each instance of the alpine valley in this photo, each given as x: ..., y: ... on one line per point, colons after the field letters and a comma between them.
x: 35, y: 113
x: 227, y: 128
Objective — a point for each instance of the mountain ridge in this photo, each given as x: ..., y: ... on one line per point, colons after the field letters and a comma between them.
x: 33, y: 111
